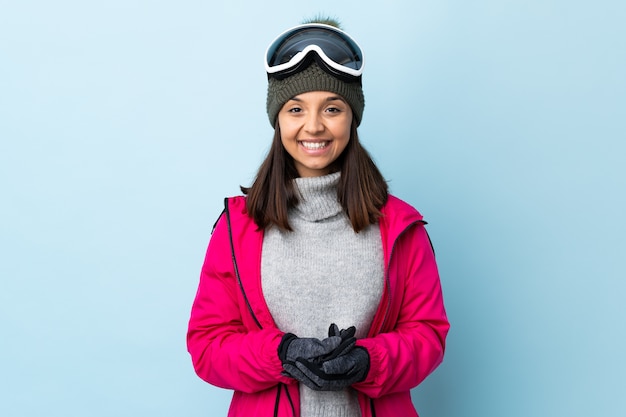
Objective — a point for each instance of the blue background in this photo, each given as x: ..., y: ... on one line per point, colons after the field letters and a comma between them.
x: 123, y: 124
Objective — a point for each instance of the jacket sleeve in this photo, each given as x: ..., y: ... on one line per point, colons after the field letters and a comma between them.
x: 405, y: 353
x: 225, y: 351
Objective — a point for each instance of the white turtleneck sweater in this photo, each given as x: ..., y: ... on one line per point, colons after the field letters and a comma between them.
x: 321, y: 273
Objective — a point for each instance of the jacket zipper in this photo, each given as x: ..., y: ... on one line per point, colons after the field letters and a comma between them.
x: 388, y: 284
x: 236, y: 268
x: 245, y: 297
x: 387, y: 279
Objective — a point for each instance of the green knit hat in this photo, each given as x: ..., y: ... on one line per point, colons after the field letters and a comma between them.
x: 313, y: 78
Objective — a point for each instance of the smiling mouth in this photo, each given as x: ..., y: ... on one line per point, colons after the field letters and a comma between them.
x: 314, y: 145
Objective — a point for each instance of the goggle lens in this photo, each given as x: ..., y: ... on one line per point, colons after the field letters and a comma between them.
x: 334, y: 47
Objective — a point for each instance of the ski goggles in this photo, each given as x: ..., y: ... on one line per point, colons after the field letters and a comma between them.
x: 333, y: 49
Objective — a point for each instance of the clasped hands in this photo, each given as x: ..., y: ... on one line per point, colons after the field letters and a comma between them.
x: 331, y: 364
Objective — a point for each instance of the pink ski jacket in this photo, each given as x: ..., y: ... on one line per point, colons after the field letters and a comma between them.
x: 233, y: 339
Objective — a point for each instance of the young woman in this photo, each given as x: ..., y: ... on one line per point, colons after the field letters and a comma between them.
x: 319, y: 295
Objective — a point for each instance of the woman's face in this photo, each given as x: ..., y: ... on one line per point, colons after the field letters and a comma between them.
x: 315, y: 129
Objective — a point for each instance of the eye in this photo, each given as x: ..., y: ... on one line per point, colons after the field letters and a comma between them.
x: 295, y: 110
x: 333, y: 109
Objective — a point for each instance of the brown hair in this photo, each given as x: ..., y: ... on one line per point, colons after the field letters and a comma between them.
x: 362, y: 190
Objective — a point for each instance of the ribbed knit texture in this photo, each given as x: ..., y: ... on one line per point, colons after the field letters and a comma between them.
x: 313, y: 78
x: 322, y: 273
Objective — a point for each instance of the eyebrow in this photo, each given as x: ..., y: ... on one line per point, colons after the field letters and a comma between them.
x: 330, y: 98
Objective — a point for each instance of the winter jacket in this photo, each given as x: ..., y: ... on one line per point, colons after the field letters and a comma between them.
x: 233, y: 339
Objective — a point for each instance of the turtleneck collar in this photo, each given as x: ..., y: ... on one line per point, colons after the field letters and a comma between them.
x: 318, y: 197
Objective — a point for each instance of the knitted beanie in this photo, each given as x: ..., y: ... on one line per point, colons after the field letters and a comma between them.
x: 313, y: 78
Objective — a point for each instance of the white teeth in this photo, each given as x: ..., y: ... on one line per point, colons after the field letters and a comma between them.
x: 314, y: 145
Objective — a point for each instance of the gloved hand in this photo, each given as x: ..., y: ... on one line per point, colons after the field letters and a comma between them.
x: 345, y: 334
x: 336, y: 370
x: 347, y: 342
x: 334, y: 374
x: 354, y: 364
x: 292, y: 348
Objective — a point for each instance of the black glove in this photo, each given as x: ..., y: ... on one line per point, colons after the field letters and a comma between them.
x: 345, y: 334
x: 332, y: 375
x: 292, y: 348
x: 347, y: 342
x: 336, y: 370
x: 354, y: 364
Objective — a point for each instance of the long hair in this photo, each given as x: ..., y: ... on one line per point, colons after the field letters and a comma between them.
x: 362, y: 190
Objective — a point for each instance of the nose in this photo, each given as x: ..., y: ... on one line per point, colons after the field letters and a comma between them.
x: 314, y: 123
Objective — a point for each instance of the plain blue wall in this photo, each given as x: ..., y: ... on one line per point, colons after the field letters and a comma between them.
x: 123, y: 124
